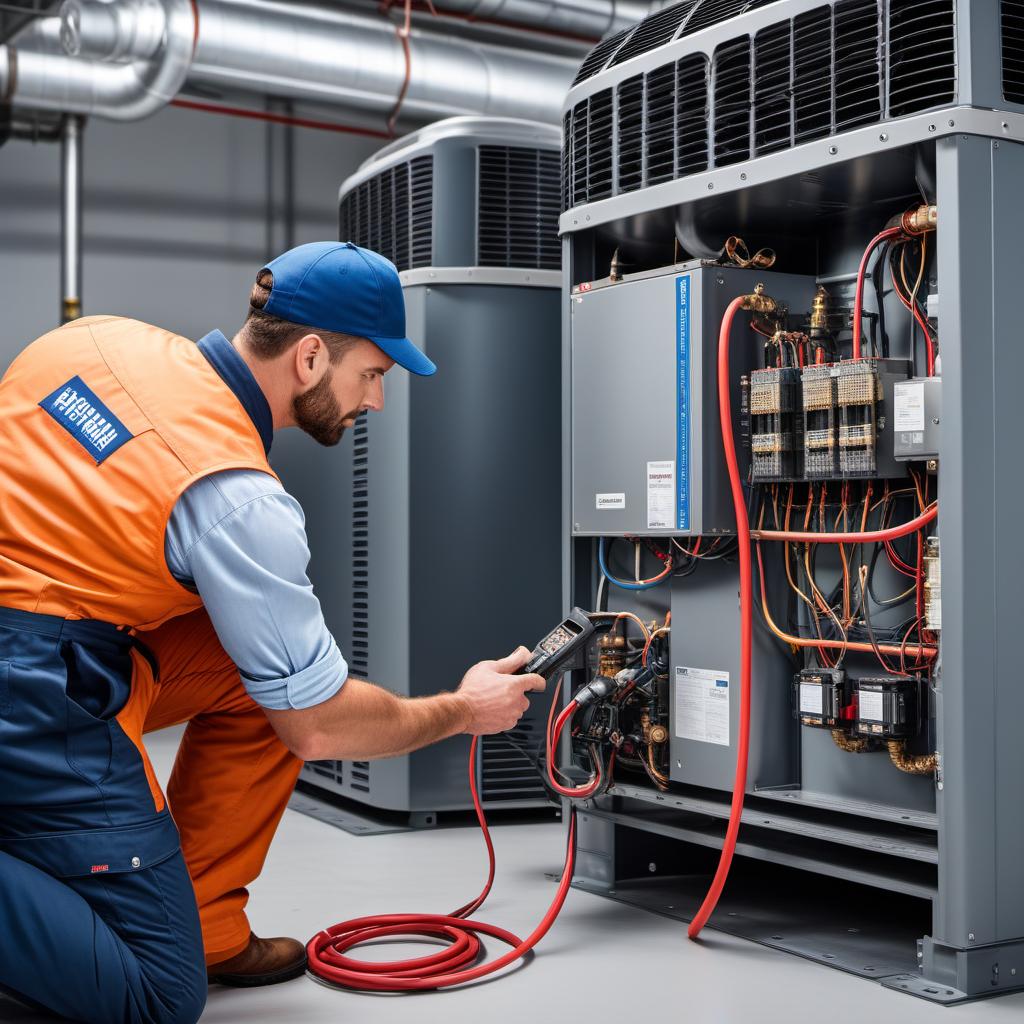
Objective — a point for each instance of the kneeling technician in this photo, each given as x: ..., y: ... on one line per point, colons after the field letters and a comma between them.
x: 152, y: 572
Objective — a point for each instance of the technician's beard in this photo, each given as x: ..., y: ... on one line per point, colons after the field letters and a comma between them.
x: 318, y: 413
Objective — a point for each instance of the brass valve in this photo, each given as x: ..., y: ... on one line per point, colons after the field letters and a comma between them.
x: 920, y: 220
x: 611, y: 655
x: 819, y: 309
x: 659, y: 734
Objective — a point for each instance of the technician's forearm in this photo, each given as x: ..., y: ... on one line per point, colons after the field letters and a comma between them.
x: 363, y: 721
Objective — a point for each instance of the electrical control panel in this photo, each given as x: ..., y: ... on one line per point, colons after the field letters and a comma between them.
x: 836, y: 721
x: 645, y: 435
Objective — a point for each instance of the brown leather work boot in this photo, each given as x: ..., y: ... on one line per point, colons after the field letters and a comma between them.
x: 262, y: 962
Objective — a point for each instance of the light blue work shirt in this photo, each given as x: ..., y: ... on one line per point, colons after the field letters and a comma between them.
x: 238, y: 539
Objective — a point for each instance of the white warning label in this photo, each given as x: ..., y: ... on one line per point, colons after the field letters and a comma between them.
x: 702, y: 705
x: 869, y: 705
x: 908, y: 400
x: 812, y: 699
x: 661, y: 495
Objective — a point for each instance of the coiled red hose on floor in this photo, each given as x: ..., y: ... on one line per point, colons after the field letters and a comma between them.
x: 455, y: 964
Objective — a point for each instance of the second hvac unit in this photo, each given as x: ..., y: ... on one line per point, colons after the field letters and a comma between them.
x: 435, y: 535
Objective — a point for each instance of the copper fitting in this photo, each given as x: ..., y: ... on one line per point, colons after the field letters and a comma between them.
x: 659, y: 734
x: 819, y: 309
x: 611, y: 655
x: 851, y: 744
x: 920, y: 220
x: 914, y: 764
x: 758, y: 302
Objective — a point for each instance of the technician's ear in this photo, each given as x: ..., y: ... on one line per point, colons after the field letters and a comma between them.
x: 310, y: 358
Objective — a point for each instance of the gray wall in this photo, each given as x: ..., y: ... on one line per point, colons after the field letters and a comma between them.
x: 177, y: 218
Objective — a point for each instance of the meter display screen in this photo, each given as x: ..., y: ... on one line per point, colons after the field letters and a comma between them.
x: 558, y: 638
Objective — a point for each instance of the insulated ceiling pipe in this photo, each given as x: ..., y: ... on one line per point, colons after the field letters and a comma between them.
x: 304, y: 52
x: 590, y: 19
x: 291, y: 50
x: 155, y: 35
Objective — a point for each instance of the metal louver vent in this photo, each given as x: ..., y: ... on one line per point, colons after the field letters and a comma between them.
x: 732, y: 102
x: 1012, y: 16
x: 922, y: 54
x: 858, y: 64
x: 333, y: 770
x: 692, y: 106
x: 566, y: 159
x: 506, y: 772
x: 659, y: 137
x: 772, y: 91
x: 598, y: 57
x: 631, y: 133
x: 391, y: 213
x: 654, y: 31
x: 826, y: 71
x: 359, y: 775
x: 592, y: 148
x: 360, y: 655
x: 812, y: 75
x: 711, y: 12
x: 421, y: 211
x: 517, y: 223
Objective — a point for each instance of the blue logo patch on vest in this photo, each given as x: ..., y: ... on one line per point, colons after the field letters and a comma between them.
x: 86, y: 419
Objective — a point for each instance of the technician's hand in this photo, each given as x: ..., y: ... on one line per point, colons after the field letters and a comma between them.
x: 497, y: 698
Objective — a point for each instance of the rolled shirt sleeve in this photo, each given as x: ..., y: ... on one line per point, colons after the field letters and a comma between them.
x: 239, y: 540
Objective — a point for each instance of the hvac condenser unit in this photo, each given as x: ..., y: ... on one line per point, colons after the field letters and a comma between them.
x: 435, y: 531
x: 882, y: 830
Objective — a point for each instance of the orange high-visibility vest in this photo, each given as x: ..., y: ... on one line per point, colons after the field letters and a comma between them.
x: 103, y: 424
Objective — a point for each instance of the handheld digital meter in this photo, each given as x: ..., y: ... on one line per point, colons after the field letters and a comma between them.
x: 561, y: 645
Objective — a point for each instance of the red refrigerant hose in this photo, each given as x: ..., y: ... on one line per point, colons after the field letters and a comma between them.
x: 858, y: 295
x: 327, y: 950
x: 746, y: 622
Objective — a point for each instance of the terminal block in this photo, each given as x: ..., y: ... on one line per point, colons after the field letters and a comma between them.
x: 820, y: 696
x: 776, y: 424
x: 888, y: 707
x: 819, y: 408
x: 932, y: 586
x: 858, y: 395
x: 846, y: 421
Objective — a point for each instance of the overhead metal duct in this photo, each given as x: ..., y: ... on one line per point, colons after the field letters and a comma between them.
x: 38, y: 74
x: 312, y: 53
x: 126, y: 63
x: 590, y: 19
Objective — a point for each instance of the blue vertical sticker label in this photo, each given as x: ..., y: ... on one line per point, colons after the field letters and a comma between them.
x: 683, y: 423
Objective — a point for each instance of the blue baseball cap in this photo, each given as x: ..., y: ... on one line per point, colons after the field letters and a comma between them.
x: 337, y: 286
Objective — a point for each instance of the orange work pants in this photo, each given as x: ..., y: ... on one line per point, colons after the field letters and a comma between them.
x: 232, y: 776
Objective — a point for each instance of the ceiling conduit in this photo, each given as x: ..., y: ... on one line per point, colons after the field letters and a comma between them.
x: 128, y: 59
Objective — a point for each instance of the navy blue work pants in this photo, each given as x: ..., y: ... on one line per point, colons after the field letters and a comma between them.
x: 98, y: 917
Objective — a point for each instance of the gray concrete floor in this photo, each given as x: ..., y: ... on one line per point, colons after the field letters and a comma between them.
x: 601, y: 962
